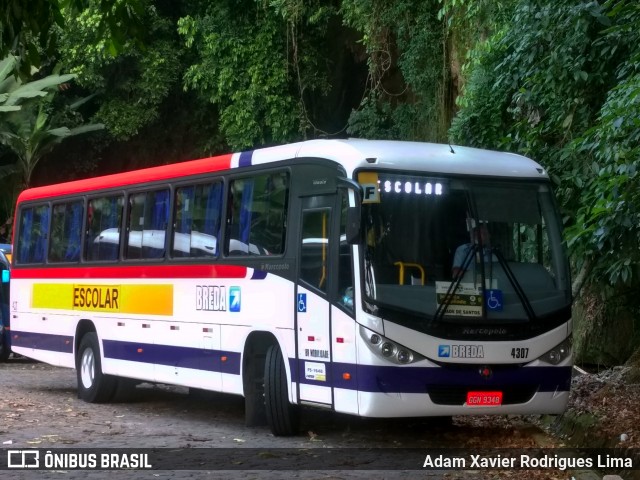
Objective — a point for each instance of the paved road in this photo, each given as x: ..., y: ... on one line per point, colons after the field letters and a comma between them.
x: 40, y: 409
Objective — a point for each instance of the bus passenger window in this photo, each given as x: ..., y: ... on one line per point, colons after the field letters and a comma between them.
x: 196, y: 227
x: 102, y: 238
x: 32, y: 235
x: 147, y: 225
x: 66, y: 232
x: 257, y: 215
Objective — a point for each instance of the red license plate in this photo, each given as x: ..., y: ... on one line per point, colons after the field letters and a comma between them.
x: 484, y: 399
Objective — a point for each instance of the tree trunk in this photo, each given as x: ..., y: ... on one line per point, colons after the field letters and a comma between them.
x: 578, y: 282
x: 633, y: 375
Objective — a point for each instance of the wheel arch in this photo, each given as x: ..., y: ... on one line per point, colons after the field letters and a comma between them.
x: 254, y: 355
x: 84, y: 326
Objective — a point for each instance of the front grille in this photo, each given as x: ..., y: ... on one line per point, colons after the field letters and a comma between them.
x: 457, y: 395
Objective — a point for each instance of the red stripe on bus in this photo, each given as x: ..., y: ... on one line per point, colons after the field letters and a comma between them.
x: 174, y: 171
x: 133, y: 271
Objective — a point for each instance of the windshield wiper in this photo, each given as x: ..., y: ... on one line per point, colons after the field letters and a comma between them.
x: 453, y: 286
x: 516, y: 285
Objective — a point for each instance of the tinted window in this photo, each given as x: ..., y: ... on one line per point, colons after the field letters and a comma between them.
x: 147, y: 225
x: 66, y: 232
x: 257, y: 215
x: 196, y: 226
x: 104, y: 217
x: 32, y: 236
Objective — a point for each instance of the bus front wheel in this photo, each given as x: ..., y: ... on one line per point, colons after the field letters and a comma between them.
x: 93, y: 385
x: 282, y: 416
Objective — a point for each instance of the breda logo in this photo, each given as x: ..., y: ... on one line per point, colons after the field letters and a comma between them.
x: 461, y: 351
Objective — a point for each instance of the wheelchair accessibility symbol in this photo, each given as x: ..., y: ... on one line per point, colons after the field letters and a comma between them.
x: 493, y: 300
x: 302, y: 302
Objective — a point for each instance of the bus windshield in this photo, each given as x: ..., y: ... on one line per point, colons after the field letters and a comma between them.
x: 463, y: 250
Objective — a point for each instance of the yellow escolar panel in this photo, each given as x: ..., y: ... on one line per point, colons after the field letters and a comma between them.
x: 136, y: 299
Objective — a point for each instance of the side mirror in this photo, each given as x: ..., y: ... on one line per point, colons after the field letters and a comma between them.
x: 353, y: 213
x: 353, y: 225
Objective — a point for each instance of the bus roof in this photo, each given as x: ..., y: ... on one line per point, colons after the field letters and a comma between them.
x: 351, y: 154
x: 423, y: 157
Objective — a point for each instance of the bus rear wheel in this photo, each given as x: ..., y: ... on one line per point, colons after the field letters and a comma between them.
x: 93, y: 385
x: 5, y: 351
x: 283, y: 417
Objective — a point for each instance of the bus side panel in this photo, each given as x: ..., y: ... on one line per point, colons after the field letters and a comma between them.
x: 126, y: 316
x: 38, y: 334
x: 186, y: 353
x: 264, y: 303
x: 344, y: 361
x: 233, y: 338
x: 121, y: 354
x: 188, y: 344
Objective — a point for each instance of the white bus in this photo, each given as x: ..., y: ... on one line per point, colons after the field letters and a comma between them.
x: 340, y: 274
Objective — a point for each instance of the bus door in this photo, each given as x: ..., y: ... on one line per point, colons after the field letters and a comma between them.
x: 312, y: 309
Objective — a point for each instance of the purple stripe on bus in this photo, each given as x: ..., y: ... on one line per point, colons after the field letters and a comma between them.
x: 245, y: 159
x: 259, y: 275
x: 173, y: 356
x: 390, y: 379
x: 42, y: 341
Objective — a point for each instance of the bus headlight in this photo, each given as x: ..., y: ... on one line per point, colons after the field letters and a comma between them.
x: 558, y: 353
x: 387, y: 349
x: 404, y: 356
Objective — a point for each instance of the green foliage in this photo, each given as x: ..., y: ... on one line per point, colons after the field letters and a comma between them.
x: 26, y: 28
x: 409, y: 81
x: 607, y: 226
x: 256, y: 63
x: 557, y: 83
x: 134, y: 83
x: 483, y: 114
x: 31, y: 133
x: 29, y: 124
x: 14, y: 92
x: 373, y: 119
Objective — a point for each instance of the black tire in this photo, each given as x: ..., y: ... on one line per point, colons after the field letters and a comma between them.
x: 5, y: 351
x: 125, y: 390
x: 93, y: 385
x: 283, y: 417
x: 255, y: 414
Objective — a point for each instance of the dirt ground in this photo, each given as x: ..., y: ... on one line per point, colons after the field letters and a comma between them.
x: 609, y: 405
